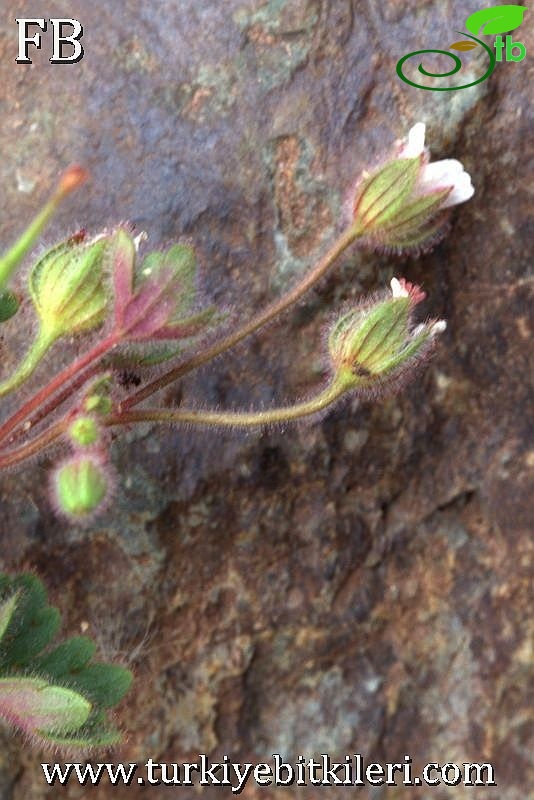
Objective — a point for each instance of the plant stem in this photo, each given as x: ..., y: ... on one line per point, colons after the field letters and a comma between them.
x: 240, y: 419
x: 69, y: 181
x: 57, y: 400
x: 27, y: 366
x: 70, y: 372
x: 261, y: 319
x: 35, y: 446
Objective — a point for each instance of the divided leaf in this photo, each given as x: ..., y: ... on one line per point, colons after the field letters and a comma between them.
x: 54, y: 694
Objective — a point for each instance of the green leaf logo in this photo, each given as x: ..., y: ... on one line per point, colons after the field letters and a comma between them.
x: 497, y: 19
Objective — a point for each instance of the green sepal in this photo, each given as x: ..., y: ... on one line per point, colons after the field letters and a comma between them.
x: 67, y: 288
x: 181, y: 259
x: 382, y: 194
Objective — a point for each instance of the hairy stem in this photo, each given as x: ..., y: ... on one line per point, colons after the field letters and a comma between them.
x: 27, y: 366
x: 70, y: 372
x: 12, y: 457
x: 241, y: 419
x: 258, y: 321
x: 69, y: 181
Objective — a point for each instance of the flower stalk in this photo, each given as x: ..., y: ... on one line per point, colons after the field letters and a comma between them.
x: 71, y: 180
x: 82, y: 285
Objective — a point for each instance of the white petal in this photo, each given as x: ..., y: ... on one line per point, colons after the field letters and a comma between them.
x: 438, y: 327
x: 463, y: 190
x: 444, y: 174
x: 441, y: 173
x: 415, y: 145
x: 397, y: 289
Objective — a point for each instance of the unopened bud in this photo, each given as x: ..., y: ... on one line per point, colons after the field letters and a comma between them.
x: 67, y: 287
x: 84, y: 432
x: 73, y: 177
x: 98, y: 400
x: 376, y: 342
x: 81, y: 486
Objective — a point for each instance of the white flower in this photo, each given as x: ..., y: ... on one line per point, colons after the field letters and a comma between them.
x: 448, y: 173
x: 397, y: 289
x: 415, y: 146
x: 399, y: 206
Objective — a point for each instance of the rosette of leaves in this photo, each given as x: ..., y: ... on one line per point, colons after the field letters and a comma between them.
x: 55, y: 694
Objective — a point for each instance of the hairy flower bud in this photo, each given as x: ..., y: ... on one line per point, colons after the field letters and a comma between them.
x: 376, y: 343
x: 81, y: 486
x: 84, y: 432
x: 399, y: 206
x: 67, y: 287
x: 98, y: 398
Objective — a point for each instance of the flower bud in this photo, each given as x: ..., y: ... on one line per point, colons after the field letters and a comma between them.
x: 376, y: 342
x: 98, y: 400
x: 399, y: 206
x: 81, y: 486
x: 67, y: 287
x: 84, y: 432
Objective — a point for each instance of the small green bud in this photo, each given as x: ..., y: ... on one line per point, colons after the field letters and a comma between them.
x: 376, y: 342
x: 67, y: 287
x: 84, y: 431
x: 81, y: 486
x: 98, y: 400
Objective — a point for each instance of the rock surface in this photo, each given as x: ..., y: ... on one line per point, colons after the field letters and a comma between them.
x: 358, y: 585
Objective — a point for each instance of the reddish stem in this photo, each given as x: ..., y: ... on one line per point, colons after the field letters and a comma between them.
x: 56, y: 383
x: 261, y: 319
x: 10, y: 458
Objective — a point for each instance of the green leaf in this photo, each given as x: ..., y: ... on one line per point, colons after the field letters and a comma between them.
x: 34, y: 623
x: 69, y: 714
x: 496, y: 19
x: 67, y: 658
x: 104, y: 684
x: 33, y: 705
x: 34, y: 636
x: 96, y: 732
x: 9, y: 305
x: 6, y: 612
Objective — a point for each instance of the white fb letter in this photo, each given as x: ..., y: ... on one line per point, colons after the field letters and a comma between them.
x: 24, y: 40
x: 57, y: 27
